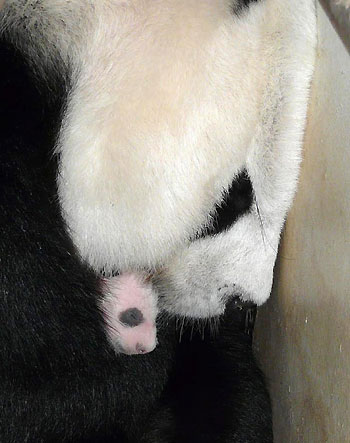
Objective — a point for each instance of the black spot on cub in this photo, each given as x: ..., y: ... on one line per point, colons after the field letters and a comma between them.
x: 131, y: 317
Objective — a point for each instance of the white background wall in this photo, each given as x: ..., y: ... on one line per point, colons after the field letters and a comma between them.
x: 303, y: 332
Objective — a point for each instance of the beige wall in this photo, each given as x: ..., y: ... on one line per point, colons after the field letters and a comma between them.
x: 303, y: 332
x: 339, y: 13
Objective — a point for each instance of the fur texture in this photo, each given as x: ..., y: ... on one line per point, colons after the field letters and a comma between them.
x: 60, y: 381
x: 154, y: 107
x: 241, y: 260
x: 169, y: 101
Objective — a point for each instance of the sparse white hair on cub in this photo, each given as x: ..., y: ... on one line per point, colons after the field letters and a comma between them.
x: 169, y: 101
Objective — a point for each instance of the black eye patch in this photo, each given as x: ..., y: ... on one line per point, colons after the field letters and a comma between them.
x: 239, y: 5
x: 237, y: 201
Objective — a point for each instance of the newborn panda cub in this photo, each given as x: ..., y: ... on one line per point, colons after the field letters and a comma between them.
x: 130, y: 309
x: 130, y: 305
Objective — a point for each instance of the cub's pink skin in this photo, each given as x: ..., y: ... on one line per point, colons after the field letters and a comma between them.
x: 130, y: 309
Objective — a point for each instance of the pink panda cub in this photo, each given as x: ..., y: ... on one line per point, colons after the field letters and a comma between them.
x: 130, y: 309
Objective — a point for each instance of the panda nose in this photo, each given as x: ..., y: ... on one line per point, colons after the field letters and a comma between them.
x: 141, y: 349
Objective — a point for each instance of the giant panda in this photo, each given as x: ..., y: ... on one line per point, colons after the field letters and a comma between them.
x: 61, y: 381
x: 125, y: 128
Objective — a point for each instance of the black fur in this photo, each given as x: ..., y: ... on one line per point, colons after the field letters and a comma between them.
x: 240, y: 5
x: 59, y: 379
x: 236, y: 202
x: 216, y: 393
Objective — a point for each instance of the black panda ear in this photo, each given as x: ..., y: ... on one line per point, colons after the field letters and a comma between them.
x: 238, y: 6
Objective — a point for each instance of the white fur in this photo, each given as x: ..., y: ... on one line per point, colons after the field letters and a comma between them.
x: 171, y: 99
x: 241, y: 260
x: 156, y: 127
